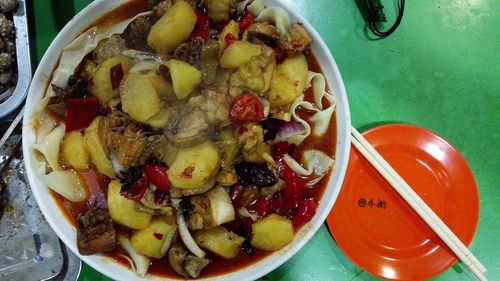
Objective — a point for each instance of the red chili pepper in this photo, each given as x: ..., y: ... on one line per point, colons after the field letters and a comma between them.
x: 236, y: 192
x: 276, y: 203
x: 158, y: 236
x: 246, y: 20
x: 80, y: 113
x: 138, y: 189
x: 247, y: 108
x: 230, y: 39
x: 305, y: 212
x: 116, y: 76
x: 157, y: 175
x: 262, y: 206
x: 188, y: 173
x: 160, y: 196
x: 293, y: 192
x: 202, y: 27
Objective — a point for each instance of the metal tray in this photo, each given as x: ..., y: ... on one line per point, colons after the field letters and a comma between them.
x: 8, y: 105
x: 29, y: 249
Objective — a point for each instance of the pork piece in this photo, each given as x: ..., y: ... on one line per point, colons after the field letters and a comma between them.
x: 186, y: 126
x: 76, y: 89
x: 296, y: 40
x: 162, y: 7
x: 203, y: 55
x: 189, y: 52
x: 129, y: 141
x: 262, y: 33
x: 136, y: 34
x: 219, y: 10
x: 184, y: 263
x: 215, y: 103
x: 109, y: 48
x: 208, y: 210
x: 95, y: 232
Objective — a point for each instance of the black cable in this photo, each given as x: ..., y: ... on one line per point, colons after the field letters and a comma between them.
x: 377, y: 11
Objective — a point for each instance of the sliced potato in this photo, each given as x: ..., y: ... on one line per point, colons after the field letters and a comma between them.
x: 122, y: 210
x: 221, y: 206
x: 139, y: 98
x: 158, y: 120
x: 239, y: 53
x: 272, y: 233
x: 289, y: 81
x: 98, y: 152
x: 169, y: 153
x: 219, y: 241
x: 154, y: 240
x: 101, y: 86
x: 173, y: 28
x: 232, y: 28
x: 185, y: 78
x: 194, y: 166
x: 73, y: 151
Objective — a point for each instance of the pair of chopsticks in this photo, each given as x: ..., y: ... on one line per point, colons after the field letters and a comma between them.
x: 420, y: 207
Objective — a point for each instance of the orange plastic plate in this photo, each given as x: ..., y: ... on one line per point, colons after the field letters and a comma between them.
x: 378, y: 230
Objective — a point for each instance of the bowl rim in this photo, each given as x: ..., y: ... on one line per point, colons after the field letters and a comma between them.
x: 66, y: 232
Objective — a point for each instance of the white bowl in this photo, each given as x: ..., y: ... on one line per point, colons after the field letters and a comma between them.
x: 66, y: 231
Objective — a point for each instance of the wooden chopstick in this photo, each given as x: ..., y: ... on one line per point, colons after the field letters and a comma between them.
x: 422, y: 209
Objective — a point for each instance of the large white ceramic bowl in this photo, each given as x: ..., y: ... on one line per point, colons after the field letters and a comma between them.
x: 67, y: 232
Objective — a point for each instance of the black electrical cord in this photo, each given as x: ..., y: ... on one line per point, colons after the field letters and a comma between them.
x: 373, y: 22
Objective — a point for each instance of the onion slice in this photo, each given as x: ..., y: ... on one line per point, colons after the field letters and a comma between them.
x: 242, y: 211
x: 187, y: 238
x: 141, y: 262
x: 290, y: 132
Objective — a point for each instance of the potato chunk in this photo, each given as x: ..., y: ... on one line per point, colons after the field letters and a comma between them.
x: 122, y: 210
x: 272, y: 233
x: 172, y: 28
x: 185, y: 78
x: 231, y: 28
x: 101, y: 85
x: 239, y: 53
x: 98, y: 152
x: 219, y: 241
x: 194, y: 166
x: 154, y: 240
x: 139, y: 98
x: 289, y: 81
x: 73, y: 151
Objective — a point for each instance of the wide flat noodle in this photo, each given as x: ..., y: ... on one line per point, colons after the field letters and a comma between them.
x: 74, y: 53
x: 313, y: 161
x: 276, y: 15
x: 49, y: 146
x: 66, y: 184
x: 321, y: 119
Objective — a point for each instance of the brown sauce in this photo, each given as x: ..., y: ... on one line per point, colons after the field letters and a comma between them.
x: 97, y: 190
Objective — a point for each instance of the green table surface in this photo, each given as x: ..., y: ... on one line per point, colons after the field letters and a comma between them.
x: 439, y: 70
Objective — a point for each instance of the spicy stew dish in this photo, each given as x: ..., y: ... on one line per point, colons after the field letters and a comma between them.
x: 187, y: 139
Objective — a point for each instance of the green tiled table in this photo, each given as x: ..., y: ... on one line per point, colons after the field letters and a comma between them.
x: 439, y: 70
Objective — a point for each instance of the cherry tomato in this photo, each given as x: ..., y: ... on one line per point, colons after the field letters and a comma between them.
x: 247, y: 108
x: 157, y: 175
x: 305, y: 212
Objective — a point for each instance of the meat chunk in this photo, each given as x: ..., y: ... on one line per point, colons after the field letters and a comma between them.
x: 95, y: 232
x: 76, y: 89
x: 262, y: 33
x: 184, y: 263
x: 189, y: 52
x: 215, y: 103
x: 136, y: 34
x: 204, y: 55
x: 129, y: 141
x: 296, y: 40
x: 109, y: 48
x: 258, y: 73
x: 219, y: 10
x: 186, y: 126
x: 162, y: 7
